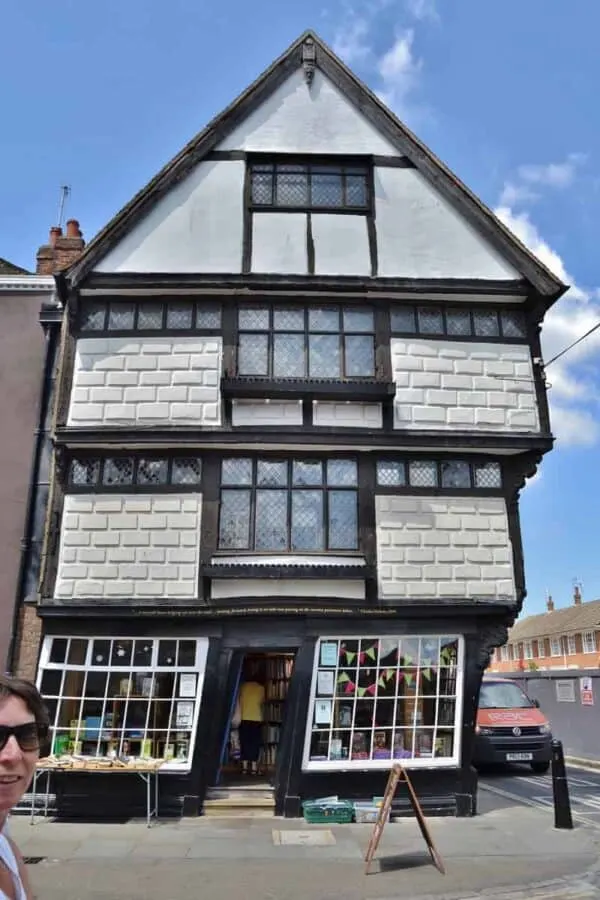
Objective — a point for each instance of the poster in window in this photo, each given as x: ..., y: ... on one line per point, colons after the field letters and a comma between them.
x: 322, y: 712
x: 565, y: 691
x: 184, y: 714
x: 586, y: 691
x: 187, y: 685
x: 329, y: 654
x: 325, y: 684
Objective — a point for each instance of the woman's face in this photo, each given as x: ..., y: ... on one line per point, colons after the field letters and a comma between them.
x: 16, y: 765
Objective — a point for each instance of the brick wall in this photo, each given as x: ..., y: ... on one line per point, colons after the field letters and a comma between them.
x: 266, y: 412
x: 29, y: 636
x: 463, y: 385
x: 347, y: 414
x: 129, y: 546
x: 146, y: 381
x: 443, y: 547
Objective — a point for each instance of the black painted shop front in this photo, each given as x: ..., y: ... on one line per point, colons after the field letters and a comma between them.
x: 443, y: 790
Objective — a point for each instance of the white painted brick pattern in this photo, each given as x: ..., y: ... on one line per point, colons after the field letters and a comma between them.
x: 147, y: 381
x: 464, y: 386
x: 129, y: 546
x: 347, y: 414
x: 266, y: 412
x: 443, y: 547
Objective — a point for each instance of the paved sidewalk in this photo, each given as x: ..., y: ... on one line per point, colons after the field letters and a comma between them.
x: 509, y: 852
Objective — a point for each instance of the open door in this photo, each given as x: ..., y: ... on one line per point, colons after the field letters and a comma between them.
x: 237, y: 661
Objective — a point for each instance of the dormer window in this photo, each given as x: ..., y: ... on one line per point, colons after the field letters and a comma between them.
x: 329, y: 186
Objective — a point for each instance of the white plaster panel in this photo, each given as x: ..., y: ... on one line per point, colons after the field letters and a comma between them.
x: 443, y: 547
x: 279, y: 243
x: 146, y: 381
x: 464, y: 386
x: 347, y: 414
x: 419, y: 235
x: 196, y: 227
x: 317, y: 590
x: 297, y: 118
x: 266, y: 412
x: 341, y: 244
x: 126, y: 546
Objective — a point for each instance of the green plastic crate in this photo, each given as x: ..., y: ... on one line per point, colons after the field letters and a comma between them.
x: 338, y: 812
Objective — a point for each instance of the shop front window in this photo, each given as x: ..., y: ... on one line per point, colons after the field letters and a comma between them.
x: 133, y: 698
x: 378, y: 700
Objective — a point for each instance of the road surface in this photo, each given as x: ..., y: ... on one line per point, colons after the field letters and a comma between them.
x: 520, y: 784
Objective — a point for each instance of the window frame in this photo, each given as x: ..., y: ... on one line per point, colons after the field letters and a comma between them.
x: 196, y: 305
x: 504, y: 653
x: 135, y: 486
x: 446, y: 306
x: 584, y: 636
x: 554, y: 641
x: 406, y: 461
x: 271, y: 332
x: 527, y: 650
x: 289, y: 488
x: 309, y: 765
x: 198, y: 670
x: 541, y: 648
x: 337, y: 165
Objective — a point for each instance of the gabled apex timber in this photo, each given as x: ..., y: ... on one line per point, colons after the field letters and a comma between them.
x: 310, y: 54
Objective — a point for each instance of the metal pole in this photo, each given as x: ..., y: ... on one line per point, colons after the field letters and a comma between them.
x: 560, y: 788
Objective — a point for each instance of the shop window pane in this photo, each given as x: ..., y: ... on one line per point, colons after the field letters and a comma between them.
x: 68, y: 715
x: 142, y: 653
x: 77, y: 651
x: 51, y: 682
x: 100, y: 652
x: 167, y: 653
x: 121, y: 653
x: 95, y: 684
x: 253, y: 354
x: 58, y: 650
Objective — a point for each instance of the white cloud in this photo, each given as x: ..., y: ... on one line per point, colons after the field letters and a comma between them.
x: 423, y: 10
x: 558, y: 175
x: 574, y: 410
x: 351, y: 41
x: 399, y: 70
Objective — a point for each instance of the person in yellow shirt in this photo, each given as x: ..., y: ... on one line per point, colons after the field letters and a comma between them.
x: 251, y: 702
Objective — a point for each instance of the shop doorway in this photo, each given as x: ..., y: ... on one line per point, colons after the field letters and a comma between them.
x: 256, y: 719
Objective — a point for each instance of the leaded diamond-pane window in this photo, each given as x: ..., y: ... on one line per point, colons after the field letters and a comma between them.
x: 485, y: 323
x: 423, y: 473
x: 431, y: 320
x: 121, y: 316
x: 85, y: 472
x: 150, y: 316
x: 315, y: 342
x: 391, y: 473
x: 208, y: 316
x: 488, y: 475
x: 458, y: 322
x: 331, y: 186
x: 186, y: 471
x: 117, y: 471
x: 152, y: 471
x: 179, y: 316
x: 513, y: 324
x: 289, y: 505
x: 93, y: 317
x: 456, y: 474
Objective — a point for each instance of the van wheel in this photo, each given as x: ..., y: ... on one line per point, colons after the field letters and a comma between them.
x: 540, y: 768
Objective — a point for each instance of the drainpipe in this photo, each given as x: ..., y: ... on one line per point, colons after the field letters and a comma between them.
x: 51, y: 326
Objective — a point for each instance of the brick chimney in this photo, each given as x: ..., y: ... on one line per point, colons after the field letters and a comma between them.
x: 577, y: 599
x: 61, y: 250
x: 550, y: 604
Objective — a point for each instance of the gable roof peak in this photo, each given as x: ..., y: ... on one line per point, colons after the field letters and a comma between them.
x: 310, y: 52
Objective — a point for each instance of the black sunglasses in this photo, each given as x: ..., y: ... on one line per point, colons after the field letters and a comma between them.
x: 29, y: 736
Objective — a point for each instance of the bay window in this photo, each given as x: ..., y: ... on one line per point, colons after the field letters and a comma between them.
x: 382, y: 699
x: 124, y: 697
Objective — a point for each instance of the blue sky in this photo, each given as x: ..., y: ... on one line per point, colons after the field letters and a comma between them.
x: 100, y: 96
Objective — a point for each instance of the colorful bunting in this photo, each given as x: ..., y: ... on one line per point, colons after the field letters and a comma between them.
x: 371, y: 653
x: 350, y: 657
x: 343, y: 677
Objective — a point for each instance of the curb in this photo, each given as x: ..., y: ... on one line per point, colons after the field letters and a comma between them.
x: 582, y: 763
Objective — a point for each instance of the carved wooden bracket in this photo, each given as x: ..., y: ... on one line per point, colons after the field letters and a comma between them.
x: 490, y: 638
x: 309, y: 60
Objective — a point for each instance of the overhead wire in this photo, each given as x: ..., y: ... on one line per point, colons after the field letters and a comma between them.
x: 574, y: 344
